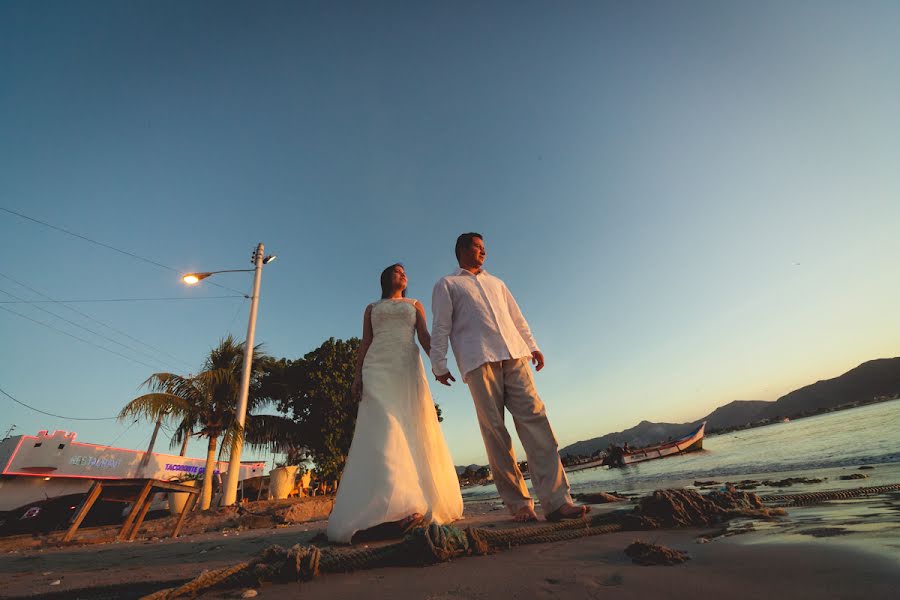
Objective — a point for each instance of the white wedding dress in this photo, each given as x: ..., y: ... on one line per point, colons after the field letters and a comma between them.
x: 398, y: 462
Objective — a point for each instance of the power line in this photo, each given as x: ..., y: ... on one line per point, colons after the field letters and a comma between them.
x: 91, y: 331
x: 123, y: 432
x: 43, y: 412
x: 134, y: 360
x: 87, y: 316
x: 108, y: 247
x: 89, y: 301
x: 236, y: 312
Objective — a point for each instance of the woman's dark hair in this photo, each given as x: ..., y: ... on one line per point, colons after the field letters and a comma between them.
x: 386, y: 287
x: 464, y: 241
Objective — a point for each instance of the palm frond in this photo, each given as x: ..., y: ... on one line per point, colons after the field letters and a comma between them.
x: 272, y: 432
x: 154, y: 407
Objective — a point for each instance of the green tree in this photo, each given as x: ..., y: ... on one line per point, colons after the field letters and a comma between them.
x: 314, y: 391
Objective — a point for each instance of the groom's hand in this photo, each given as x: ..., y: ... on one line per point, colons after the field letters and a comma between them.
x: 537, y: 359
x: 446, y: 378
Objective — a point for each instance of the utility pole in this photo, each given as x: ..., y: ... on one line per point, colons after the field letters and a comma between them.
x: 229, y: 496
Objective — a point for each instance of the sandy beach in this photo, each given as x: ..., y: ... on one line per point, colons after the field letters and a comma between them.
x: 840, y: 549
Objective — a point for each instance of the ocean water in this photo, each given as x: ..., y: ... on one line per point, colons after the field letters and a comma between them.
x: 819, y: 446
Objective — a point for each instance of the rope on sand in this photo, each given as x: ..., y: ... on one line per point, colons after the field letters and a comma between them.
x: 813, y: 497
x: 423, y: 546
x: 439, y: 543
x: 205, y: 580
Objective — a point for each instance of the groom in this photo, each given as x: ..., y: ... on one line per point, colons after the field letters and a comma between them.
x: 493, y: 344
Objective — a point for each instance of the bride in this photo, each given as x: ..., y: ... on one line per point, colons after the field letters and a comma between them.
x: 399, y: 472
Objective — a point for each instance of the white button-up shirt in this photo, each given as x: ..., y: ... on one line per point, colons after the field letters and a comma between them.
x: 479, y: 316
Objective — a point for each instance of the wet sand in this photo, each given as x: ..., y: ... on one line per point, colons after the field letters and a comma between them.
x: 596, y: 567
x: 841, y: 549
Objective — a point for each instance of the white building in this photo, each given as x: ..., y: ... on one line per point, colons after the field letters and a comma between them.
x: 50, y: 465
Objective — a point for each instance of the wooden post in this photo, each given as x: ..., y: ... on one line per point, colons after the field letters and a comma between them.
x: 140, y: 519
x: 82, y: 511
x: 146, y: 458
x: 188, y: 507
x: 137, y: 507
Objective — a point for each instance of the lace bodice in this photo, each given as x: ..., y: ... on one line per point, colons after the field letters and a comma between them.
x: 394, y: 321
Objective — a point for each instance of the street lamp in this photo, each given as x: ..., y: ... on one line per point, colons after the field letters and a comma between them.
x: 234, y: 461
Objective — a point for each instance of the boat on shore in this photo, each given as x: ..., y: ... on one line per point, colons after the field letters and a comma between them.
x: 689, y: 443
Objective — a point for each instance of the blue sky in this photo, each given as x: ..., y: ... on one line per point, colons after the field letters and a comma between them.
x: 693, y: 202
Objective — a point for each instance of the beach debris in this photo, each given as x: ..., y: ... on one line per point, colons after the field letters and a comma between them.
x: 866, y: 467
x: 737, y: 529
x: 791, y: 481
x: 752, y: 484
x: 56, y: 582
x: 311, y: 509
x: 689, y: 508
x: 854, y: 476
x: 821, y: 532
x: 747, y: 484
x: 706, y: 483
x: 251, y: 593
x: 649, y: 555
x: 599, y: 498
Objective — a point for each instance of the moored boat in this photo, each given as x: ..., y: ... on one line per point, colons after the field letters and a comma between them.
x: 689, y: 443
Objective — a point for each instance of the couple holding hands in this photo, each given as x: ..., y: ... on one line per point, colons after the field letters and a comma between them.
x: 399, y: 472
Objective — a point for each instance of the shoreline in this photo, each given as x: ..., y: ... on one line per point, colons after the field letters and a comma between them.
x: 630, y: 481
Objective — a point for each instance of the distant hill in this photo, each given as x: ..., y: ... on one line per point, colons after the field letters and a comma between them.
x: 871, y: 380
x: 461, y: 469
x: 735, y: 413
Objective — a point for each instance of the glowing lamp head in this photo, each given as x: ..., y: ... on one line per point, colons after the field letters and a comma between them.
x: 194, y: 278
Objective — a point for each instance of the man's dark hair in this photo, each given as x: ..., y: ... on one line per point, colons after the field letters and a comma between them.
x: 464, y: 241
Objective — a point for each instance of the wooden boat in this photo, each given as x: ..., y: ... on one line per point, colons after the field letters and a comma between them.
x: 689, y: 443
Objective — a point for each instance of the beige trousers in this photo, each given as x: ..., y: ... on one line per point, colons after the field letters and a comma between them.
x: 509, y: 385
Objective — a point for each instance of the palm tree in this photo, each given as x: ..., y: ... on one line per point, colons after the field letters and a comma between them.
x: 204, y: 405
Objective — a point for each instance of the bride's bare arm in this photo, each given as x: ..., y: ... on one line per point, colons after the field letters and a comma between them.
x: 356, y: 388
x: 422, y: 328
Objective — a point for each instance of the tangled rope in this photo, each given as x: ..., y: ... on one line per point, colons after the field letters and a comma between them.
x: 204, y: 581
x: 423, y: 546
x: 813, y: 497
x: 439, y: 543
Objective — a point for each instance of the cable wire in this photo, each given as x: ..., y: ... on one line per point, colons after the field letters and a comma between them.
x: 88, y: 301
x: 91, y: 331
x: 87, y: 316
x: 43, y: 412
x: 123, y: 433
x: 113, y: 248
x: 236, y: 312
x: 134, y: 360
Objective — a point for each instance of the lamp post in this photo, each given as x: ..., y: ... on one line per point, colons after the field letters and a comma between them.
x: 229, y: 496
